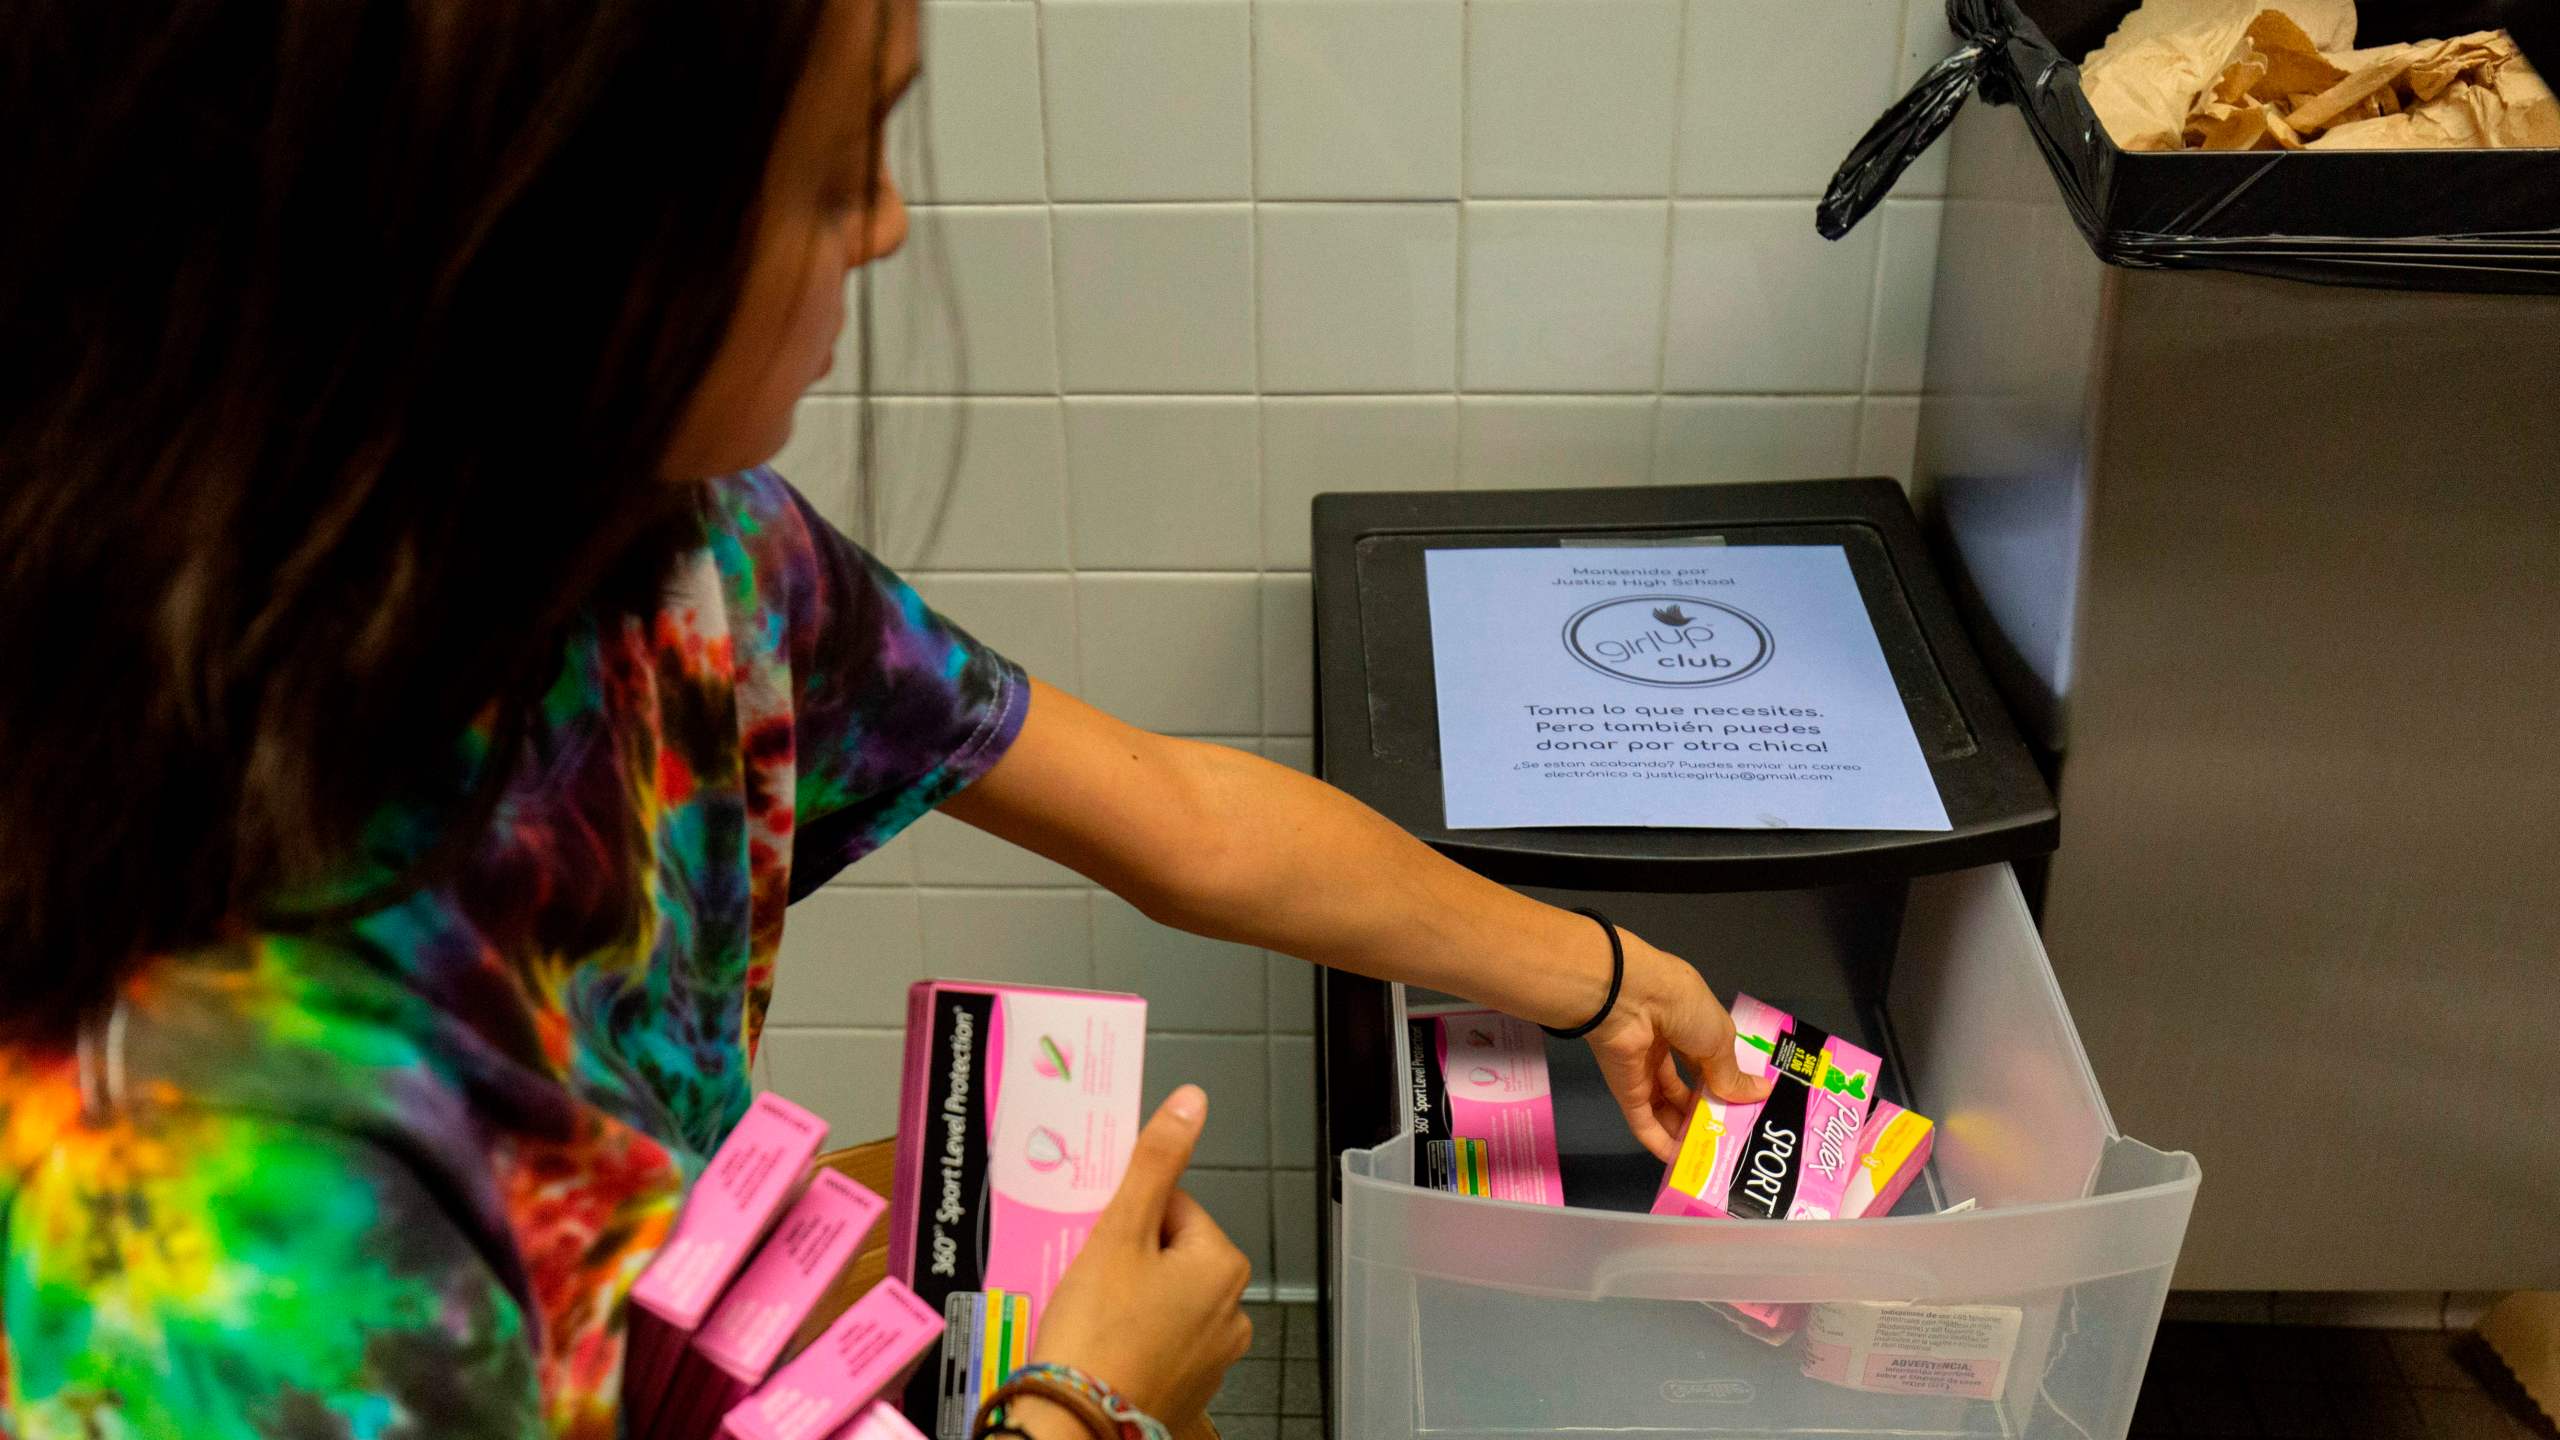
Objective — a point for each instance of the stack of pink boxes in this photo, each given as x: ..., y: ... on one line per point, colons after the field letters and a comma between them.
x: 705, y: 1337
x: 1019, y: 1109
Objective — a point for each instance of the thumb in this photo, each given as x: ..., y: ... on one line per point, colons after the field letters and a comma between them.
x: 1720, y: 1072
x: 1137, y: 1209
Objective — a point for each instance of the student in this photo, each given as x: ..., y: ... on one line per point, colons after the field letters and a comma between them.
x: 420, y: 710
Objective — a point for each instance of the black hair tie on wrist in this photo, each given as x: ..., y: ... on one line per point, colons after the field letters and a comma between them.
x: 1617, y: 977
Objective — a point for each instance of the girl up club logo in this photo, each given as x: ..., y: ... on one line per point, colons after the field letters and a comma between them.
x: 1674, y: 641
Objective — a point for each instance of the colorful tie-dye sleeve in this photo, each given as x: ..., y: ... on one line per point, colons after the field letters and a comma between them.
x: 894, y: 708
x: 228, y: 1276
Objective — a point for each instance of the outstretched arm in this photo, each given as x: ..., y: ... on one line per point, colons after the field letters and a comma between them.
x: 1228, y: 845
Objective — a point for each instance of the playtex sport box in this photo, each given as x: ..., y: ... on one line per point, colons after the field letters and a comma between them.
x: 1017, y: 1113
x: 1791, y: 1156
x: 1484, y: 1117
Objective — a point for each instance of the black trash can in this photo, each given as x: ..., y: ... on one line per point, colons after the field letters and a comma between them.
x: 2480, y: 220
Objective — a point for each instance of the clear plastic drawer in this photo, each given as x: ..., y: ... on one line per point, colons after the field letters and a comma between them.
x: 1454, y: 1316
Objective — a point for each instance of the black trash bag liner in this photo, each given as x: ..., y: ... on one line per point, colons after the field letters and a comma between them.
x: 2479, y: 220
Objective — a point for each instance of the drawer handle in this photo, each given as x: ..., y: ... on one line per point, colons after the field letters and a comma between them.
x: 1739, y: 1275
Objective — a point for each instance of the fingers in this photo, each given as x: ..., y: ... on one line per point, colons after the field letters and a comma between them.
x: 1190, y: 1231
x: 1710, y: 1048
x: 1138, y: 1209
x: 1187, y: 1223
x: 1723, y: 1077
x: 1646, y: 1126
x: 1671, y: 1091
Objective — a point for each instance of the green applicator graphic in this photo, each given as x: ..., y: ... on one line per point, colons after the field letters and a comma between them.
x: 1053, y: 1060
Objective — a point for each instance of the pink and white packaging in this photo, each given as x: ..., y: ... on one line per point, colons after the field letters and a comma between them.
x: 731, y: 1207
x: 1892, y: 1150
x: 881, y: 1421
x: 1895, y: 1349
x: 1490, y: 1076
x: 868, y: 1351
x: 746, y: 1332
x: 1017, y: 1113
x: 1791, y: 1156
x: 1960, y: 1350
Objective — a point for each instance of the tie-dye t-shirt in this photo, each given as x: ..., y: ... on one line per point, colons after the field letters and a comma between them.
x: 397, y: 1179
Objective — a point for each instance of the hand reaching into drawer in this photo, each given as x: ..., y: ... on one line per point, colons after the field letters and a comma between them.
x: 1664, y: 1014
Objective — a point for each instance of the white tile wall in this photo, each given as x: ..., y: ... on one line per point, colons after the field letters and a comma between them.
x: 1191, y: 983
x: 847, y: 958
x: 1181, y: 265
x: 1359, y: 297
x: 1293, y: 1084
x: 1148, y: 101
x: 1571, y: 97
x: 966, y: 306
x: 1889, y: 436
x: 820, y: 454
x: 850, y: 1077
x: 1759, y: 304
x: 1292, y: 993
x: 1235, y: 1070
x: 1357, y: 99
x: 1714, y: 438
x: 1310, y: 446
x: 1741, y: 76
x: 972, y: 131
x: 1564, y: 295
x: 950, y: 853
x: 1178, y: 653
x: 1028, y: 937
x: 1293, y: 1227
x: 1163, y: 483
x: 1156, y: 297
x: 1296, y: 754
x: 1508, y: 443
x: 961, y: 483
x: 1905, y: 286
x: 1288, y: 655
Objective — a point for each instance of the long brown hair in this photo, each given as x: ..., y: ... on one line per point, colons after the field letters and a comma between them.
x: 339, y: 340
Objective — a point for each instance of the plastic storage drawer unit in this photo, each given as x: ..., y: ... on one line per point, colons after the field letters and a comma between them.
x: 2028, y: 1312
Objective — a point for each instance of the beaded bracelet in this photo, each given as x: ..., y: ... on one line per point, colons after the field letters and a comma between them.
x: 1078, y: 1392
x: 995, y: 1419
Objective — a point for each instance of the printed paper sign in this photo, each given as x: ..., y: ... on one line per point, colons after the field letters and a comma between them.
x: 1732, y: 687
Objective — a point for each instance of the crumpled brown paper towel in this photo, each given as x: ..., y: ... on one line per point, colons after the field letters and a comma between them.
x: 2250, y: 75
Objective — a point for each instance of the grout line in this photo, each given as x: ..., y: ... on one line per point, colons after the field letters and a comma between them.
x: 1679, y: 95
x: 1670, y: 231
x: 945, y: 397
x: 1291, y: 202
x: 1253, y: 101
x: 1057, y: 287
x: 1466, y: 225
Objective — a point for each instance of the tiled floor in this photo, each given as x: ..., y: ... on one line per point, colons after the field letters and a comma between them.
x: 1272, y: 1394
x: 2291, y: 1382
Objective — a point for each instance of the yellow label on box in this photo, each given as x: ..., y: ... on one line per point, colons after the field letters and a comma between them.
x: 1697, y: 1158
